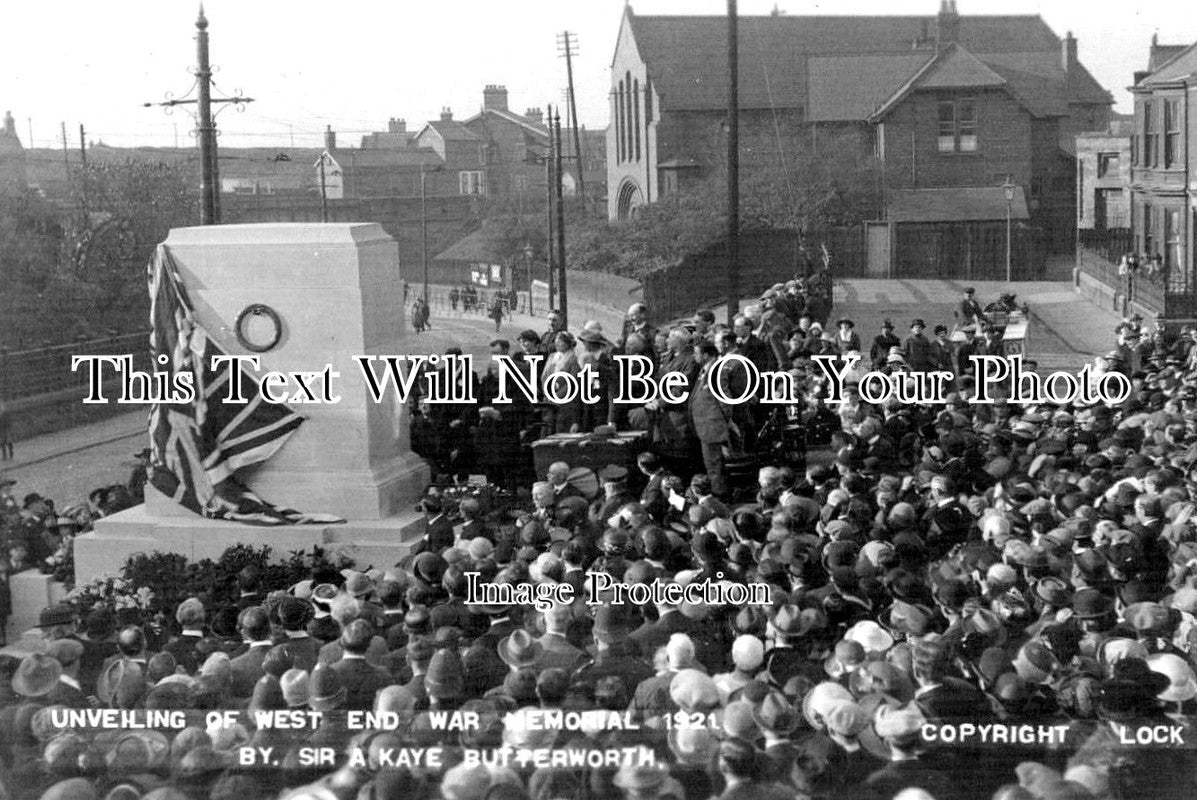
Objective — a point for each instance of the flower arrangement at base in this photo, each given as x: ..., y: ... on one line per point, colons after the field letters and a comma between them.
x: 60, y: 566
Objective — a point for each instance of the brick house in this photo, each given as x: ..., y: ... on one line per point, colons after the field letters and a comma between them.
x: 944, y: 103
x: 1103, y: 160
x: 1163, y: 178
x: 516, y: 146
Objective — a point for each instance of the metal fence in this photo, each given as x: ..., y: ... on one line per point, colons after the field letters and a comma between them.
x: 47, y: 370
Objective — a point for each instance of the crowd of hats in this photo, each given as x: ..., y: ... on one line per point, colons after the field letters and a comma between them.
x: 997, y: 565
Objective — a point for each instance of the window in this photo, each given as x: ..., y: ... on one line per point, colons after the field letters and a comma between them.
x: 627, y: 115
x: 1151, y: 145
x: 1172, y: 152
x: 1107, y: 165
x: 879, y: 141
x: 1148, y: 239
x: 619, y: 140
x: 636, y: 114
x: 648, y: 102
x: 1134, y: 150
x: 471, y: 182
x: 1172, y: 233
x: 957, y: 126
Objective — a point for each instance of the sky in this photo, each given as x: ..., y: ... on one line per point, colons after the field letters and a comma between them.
x: 356, y: 63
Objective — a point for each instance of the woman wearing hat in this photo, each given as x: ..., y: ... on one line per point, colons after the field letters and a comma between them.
x: 847, y: 340
x: 563, y: 418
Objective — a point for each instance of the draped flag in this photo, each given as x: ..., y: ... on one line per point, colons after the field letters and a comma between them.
x: 197, y: 447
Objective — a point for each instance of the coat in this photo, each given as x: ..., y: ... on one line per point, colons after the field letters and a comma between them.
x: 673, y: 433
x: 710, y: 416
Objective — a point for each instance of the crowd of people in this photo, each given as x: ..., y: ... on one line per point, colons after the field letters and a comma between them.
x: 966, y: 601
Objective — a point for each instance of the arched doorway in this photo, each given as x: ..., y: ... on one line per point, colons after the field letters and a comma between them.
x: 630, y: 198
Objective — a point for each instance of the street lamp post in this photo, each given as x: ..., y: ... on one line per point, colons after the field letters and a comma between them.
x: 424, y: 224
x: 1008, y: 188
x: 528, y: 264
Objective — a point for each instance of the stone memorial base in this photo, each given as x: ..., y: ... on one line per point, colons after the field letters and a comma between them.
x: 146, y: 529
x: 30, y: 591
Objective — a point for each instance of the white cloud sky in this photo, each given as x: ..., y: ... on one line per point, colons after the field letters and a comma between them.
x: 355, y: 63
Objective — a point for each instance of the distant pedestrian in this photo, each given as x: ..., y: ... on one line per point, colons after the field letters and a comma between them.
x: 454, y: 296
x: 419, y: 315
x: 496, y: 310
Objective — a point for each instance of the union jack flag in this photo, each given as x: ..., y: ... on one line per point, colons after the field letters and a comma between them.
x: 197, y: 447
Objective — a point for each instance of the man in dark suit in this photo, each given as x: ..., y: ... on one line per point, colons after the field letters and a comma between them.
x: 558, y: 478
x: 438, y: 531
x: 651, y: 635
x: 970, y: 310
x: 254, y: 626
x: 299, y: 649
x: 710, y: 418
x: 360, y: 679
x: 190, y: 616
x: 653, y: 498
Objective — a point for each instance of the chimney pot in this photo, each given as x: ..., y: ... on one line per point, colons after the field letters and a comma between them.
x: 494, y: 97
x: 535, y: 115
x: 1068, y: 59
x: 947, y: 23
x: 330, y: 138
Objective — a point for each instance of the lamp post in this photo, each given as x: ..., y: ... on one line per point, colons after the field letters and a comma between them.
x: 528, y: 264
x: 424, y: 224
x: 1008, y: 188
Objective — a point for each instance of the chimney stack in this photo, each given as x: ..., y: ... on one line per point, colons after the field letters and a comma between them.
x: 396, y: 125
x: 494, y: 98
x: 947, y: 23
x: 1068, y: 60
x: 534, y: 115
x: 330, y: 138
x: 446, y: 114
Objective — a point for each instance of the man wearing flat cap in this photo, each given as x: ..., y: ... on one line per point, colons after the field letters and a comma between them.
x: 970, y: 310
x: 68, y: 692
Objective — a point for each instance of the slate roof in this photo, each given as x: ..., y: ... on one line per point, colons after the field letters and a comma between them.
x: 1179, y: 68
x: 370, y: 158
x: 452, y: 130
x: 1161, y: 54
x: 687, y: 62
x: 971, y: 204
x: 850, y: 88
x: 538, y: 129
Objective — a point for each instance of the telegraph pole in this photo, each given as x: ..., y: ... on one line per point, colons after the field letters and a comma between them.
x: 206, y: 126
x: 83, y: 173
x: 562, y: 297
x: 66, y: 155
x: 209, y: 215
x: 567, y: 41
x: 733, y: 164
x: 549, y: 185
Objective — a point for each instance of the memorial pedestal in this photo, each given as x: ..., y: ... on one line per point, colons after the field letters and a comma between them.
x: 31, y: 591
x: 336, y: 292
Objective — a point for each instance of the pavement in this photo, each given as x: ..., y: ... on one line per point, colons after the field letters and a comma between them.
x: 1066, y: 331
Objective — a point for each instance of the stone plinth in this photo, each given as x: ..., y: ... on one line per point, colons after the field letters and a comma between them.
x: 378, y: 543
x: 31, y: 591
x: 337, y: 292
